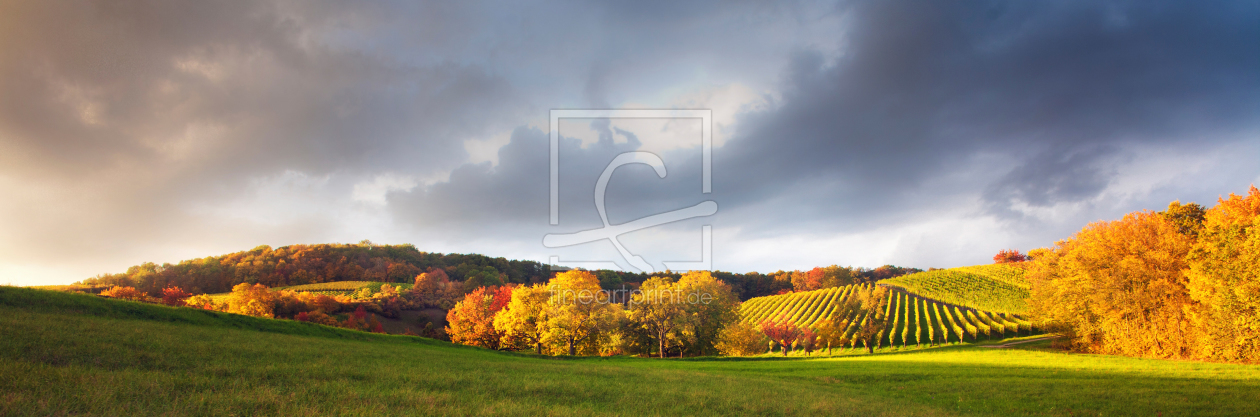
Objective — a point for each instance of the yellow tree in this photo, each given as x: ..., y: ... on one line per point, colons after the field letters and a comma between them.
x: 831, y: 331
x: 1224, y: 279
x: 251, y: 300
x: 1117, y: 287
x: 523, y: 321
x: 741, y: 338
x: 657, y: 307
x: 577, y: 310
x: 873, y: 302
x: 709, y: 305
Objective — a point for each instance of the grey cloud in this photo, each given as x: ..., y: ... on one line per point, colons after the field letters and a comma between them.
x: 924, y: 88
x: 924, y: 92
x: 888, y: 111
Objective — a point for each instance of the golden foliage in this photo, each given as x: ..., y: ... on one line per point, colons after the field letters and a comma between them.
x: 578, y: 313
x: 1224, y: 279
x: 252, y: 300
x: 125, y: 293
x: 524, y: 320
x: 1117, y: 287
x: 741, y: 338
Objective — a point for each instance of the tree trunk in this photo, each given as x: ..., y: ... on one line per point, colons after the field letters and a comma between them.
x: 538, y: 348
x: 661, y: 340
x: 572, y: 347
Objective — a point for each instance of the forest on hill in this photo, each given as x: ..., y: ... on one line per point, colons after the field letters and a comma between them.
x: 320, y: 263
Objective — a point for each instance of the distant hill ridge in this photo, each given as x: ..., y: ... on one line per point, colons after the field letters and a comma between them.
x: 312, y: 264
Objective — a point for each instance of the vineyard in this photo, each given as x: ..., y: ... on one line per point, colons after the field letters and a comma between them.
x: 330, y: 288
x: 999, y: 288
x: 915, y: 319
x: 342, y: 287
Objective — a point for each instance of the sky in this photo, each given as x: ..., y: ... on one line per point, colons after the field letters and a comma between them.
x: 860, y: 133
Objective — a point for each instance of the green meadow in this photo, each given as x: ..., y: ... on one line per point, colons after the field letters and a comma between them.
x: 73, y: 354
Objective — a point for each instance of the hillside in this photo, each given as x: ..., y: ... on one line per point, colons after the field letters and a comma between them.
x: 915, y: 320
x: 77, y: 354
x: 313, y: 264
x: 999, y: 288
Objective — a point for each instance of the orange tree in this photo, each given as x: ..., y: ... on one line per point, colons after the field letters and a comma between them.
x: 471, y: 321
x: 1117, y: 287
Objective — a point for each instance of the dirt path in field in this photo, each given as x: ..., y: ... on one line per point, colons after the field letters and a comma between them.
x: 1006, y: 345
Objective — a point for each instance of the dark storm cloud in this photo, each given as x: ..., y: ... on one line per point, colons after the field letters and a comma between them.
x: 925, y: 91
x: 923, y: 88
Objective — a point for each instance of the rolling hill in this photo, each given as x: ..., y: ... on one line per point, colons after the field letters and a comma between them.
x: 933, y: 307
x: 997, y: 288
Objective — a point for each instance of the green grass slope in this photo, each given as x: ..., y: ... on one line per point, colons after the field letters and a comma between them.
x: 72, y: 354
x: 995, y: 288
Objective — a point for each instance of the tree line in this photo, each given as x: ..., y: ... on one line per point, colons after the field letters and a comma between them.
x: 695, y: 315
x: 365, y: 261
x: 1180, y: 283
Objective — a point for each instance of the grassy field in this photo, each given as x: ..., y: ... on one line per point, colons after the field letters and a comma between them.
x: 73, y: 354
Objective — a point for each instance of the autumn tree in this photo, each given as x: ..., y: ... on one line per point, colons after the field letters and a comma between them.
x: 471, y: 321
x: 577, y: 311
x: 833, y: 330
x: 821, y: 277
x: 781, y: 331
x: 251, y: 300
x: 1117, y: 287
x: 1188, y: 218
x: 741, y: 339
x: 658, y: 308
x: 1224, y: 278
x: 1008, y: 256
x: 709, y: 305
x: 174, y: 296
x: 873, y: 302
x: 125, y: 293
x: 202, y: 301
x: 807, y: 340
x: 435, y: 289
x: 523, y: 321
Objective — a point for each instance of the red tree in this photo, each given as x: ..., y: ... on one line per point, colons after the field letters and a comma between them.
x: 174, y: 296
x: 1008, y: 256
x: 782, y: 331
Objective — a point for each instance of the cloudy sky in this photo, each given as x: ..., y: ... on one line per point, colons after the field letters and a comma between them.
x: 858, y: 133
